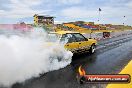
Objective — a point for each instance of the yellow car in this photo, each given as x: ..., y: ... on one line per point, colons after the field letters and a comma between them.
x: 75, y: 41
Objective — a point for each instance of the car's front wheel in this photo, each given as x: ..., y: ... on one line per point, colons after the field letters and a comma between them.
x: 92, y: 49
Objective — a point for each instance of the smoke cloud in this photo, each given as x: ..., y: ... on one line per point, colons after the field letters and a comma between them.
x: 27, y: 55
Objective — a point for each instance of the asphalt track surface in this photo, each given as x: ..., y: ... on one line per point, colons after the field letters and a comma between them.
x: 110, y: 58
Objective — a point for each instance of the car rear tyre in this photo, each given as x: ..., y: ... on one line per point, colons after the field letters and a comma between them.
x: 92, y: 49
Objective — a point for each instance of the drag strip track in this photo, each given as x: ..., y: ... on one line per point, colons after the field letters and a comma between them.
x: 110, y: 58
x: 110, y: 43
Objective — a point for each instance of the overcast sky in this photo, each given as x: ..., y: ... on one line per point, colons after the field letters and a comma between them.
x: 113, y: 11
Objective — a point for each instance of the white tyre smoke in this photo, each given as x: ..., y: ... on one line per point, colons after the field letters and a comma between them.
x: 26, y: 56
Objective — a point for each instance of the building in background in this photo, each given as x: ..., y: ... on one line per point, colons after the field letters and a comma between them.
x: 41, y: 20
x: 89, y: 23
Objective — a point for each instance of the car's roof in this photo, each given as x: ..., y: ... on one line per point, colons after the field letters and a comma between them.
x: 64, y: 32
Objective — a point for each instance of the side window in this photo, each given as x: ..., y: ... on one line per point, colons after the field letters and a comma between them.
x: 68, y: 38
x: 71, y: 38
x: 80, y: 37
x: 63, y: 38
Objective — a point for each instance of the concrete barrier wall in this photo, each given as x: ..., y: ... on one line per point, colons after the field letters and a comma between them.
x: 121, y: 33
x: 86, y: 35
x: 99, y: 35
x: 22, y: 27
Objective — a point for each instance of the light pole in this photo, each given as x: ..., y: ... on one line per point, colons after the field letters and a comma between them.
x: 99, y: 16
x: 124, y: 22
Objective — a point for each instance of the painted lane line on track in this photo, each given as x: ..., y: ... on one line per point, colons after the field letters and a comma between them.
x: 126, y: 70
x: 113, y: 42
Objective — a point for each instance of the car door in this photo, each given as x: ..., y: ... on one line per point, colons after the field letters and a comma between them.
x: 82, y: 42
x: 70, y: 42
